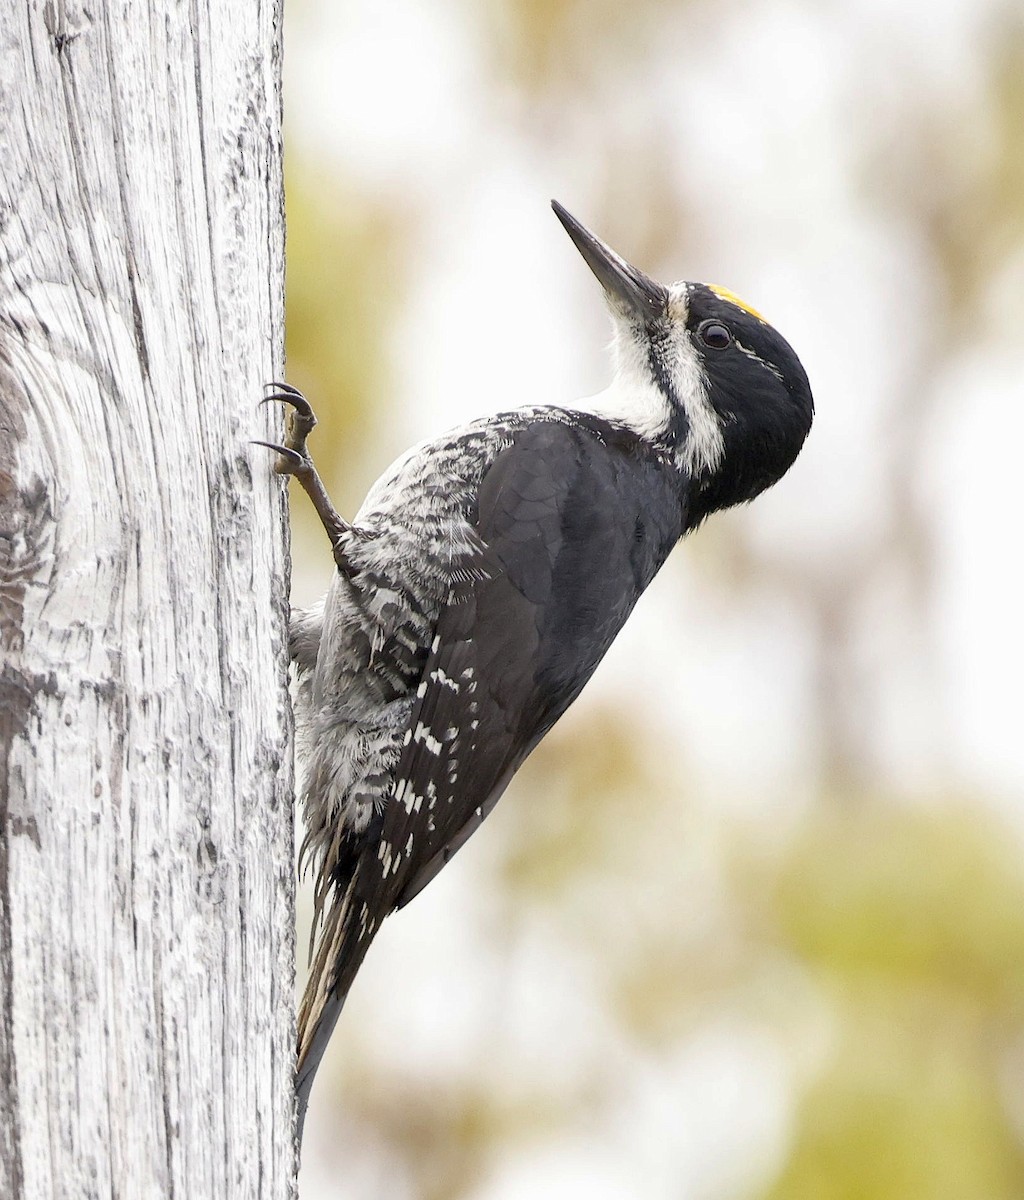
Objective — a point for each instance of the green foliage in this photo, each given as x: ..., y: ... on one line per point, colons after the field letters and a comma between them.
x: 956, y: 176
x: 444, y: 1133
x: 922, y: 899
x: 551, y: 45
x: 912, y: 923
x: 909, y: 1107
x: 343, y: 289
x: 599, y: 770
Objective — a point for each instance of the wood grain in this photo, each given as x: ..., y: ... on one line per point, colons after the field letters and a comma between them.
x: 146, y: 877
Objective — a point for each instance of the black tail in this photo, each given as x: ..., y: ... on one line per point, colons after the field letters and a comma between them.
x: 341, y: 947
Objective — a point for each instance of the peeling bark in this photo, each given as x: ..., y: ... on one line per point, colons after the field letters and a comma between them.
x: 146, y: 881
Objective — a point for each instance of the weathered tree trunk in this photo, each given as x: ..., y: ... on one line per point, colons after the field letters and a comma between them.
x: 146, y: 895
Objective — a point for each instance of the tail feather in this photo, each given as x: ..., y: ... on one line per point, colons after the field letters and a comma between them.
x: 341, y: 947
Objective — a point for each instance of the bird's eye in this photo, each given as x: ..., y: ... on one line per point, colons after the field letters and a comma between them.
x: 715, y: 335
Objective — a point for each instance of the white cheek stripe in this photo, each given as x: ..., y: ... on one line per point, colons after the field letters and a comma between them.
x: 635, y: 400
x: 705, y: 445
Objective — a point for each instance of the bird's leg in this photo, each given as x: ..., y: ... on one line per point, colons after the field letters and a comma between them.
x: 293, y: 458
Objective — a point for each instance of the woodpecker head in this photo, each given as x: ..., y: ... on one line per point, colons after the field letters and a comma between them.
x: 702, y: 375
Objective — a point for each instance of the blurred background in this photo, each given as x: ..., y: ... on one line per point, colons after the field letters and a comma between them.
x: 750, y: 923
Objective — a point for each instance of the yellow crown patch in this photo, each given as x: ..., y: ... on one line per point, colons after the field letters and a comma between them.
x: 732, y: 298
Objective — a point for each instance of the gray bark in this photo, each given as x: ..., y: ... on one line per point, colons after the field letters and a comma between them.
x: 146, y: 879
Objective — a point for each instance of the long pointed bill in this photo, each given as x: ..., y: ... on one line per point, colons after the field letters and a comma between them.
x: 625, y: 285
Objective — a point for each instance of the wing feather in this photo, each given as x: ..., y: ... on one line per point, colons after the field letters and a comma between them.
x: 571, y: 525
x: 568, y: 543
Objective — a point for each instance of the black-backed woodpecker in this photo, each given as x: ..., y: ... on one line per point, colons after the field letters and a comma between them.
x: 485, y: 577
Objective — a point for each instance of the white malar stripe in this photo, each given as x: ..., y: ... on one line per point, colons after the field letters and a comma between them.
x: 636, y: 400
x: 705, y: 445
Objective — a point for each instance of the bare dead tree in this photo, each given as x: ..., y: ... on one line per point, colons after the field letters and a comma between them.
x: 146, y: 881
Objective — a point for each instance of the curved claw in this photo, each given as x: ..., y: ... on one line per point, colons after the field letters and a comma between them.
x: 290, y: 456
x: 284, y: 387
x: 296, y: 399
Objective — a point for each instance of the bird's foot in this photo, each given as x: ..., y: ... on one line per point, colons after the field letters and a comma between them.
x: 300, y: 421
x: 293, y: 457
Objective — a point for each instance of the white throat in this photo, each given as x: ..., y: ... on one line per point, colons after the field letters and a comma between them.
x: 637, y: 400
